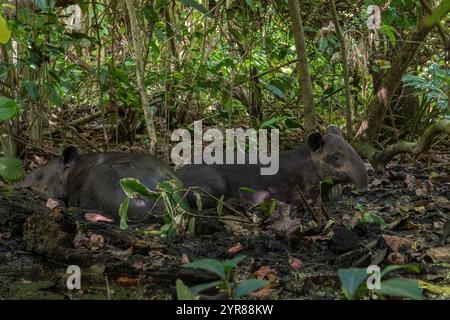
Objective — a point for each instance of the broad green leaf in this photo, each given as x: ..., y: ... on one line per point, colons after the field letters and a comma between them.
x: 8, y: 108
x: 370, y: 217
x: 194, y: 4
x: 229, y: 265
x: 123, y: 213
x: 133, y: 188
x: 391, y: 268
x: 351, y: 279
x: 5, y: 32
x: 11, y: 169
x: 275, y: 90
x: 204, y: 286
x: 248, y: 286
x: 183, y: 291
x: 211, y: 265
x: 401, y: 287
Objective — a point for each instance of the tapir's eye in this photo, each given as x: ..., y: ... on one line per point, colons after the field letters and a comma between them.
x: 39, y: 177
x: 334, y: 159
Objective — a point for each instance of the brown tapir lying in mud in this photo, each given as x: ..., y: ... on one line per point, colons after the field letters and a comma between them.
x: 91, y: 181
x: 323, y: 157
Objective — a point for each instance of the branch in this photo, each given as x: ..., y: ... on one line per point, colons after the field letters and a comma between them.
x: 416, y: 148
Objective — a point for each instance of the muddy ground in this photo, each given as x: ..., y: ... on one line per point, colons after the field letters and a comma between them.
x: 298, y: 248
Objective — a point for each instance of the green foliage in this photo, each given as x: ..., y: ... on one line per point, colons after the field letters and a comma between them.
x: 352, y: 283
x: 11, y: 169
x: 169, y: 192
x: 224, y: 270
x: 5, y: 32
x: 8, y: 109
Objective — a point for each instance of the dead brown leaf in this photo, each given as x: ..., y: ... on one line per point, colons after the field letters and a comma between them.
x: 235, y: 248
x: 296, y: 263
x: 52, y: 203
x: 96, y: 241
x: 95, y: 217
x: 265, y: 272
x: 439, y: 254
x: 396, y: 242
x: 262, y: 293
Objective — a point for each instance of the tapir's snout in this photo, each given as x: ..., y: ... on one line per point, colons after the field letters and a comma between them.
x: 358, y: 174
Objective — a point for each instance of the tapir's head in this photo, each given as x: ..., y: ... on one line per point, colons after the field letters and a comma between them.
x: 46, y: 179
x: 49, y: 178
x: 334, y: 158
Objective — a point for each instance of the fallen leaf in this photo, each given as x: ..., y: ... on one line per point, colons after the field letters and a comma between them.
x: 265, y: 272
x: 396, y: 258
x: 127, y: 281
x: 95, y: 217
x: 184, y: 259
x: 295, y: 263
x: 52, y: 203
x: 235, y: 249
x: 282, y: 223
x: 439, y: 254
x: 121, y: 254
x: 262, y: 293
x: 396, y: 242
x: 96, y: 241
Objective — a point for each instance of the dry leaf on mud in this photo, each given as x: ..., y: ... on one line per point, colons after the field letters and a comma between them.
x: 138, y: 264
x: 52, y: 203
x: 296, y: 263
x: 235, y: 249
x: 282, y: 223
x: 96, y: 241
x: 185, y: 259
x: 95, y: 217
x: 127, y: 281
x: 439, y: 254
x: 262, y: 293
x: 265, y: 273
x: 122, y: 254
x: 396, y: 258
x: 396, y: 242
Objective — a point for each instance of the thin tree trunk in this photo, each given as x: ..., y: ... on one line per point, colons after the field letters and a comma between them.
x: 140, y: 76
x: 307, y: 95
x: 348, y: 105
x: 380, y: 101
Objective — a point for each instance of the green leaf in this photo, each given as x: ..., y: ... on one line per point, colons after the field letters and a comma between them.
x: 389, y: 31
x: 370, y: 217
x: 275, y: 90
x: 183, y: 291
x: 211, y: 265
x: 194, y: 4
x: 5, y: 32
x: 8, y: 108
x: 220, y: 205
x: 229, y: 265
x: 247, y: 189
x: 391, y: 268
x: 401, y: 287
x: 123, y: 213
x: 133, y: 188
x: 351, y: 279
x: 251, y: 4
x: 248, y: 286
x: 204, y: 286
x: 11, y: 169
x: 45, y: 5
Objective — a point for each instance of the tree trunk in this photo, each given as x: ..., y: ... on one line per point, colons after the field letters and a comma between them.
x: 140, y: 76
x: 306, y: 90
x: 380, y: 101
x: 348, y: 105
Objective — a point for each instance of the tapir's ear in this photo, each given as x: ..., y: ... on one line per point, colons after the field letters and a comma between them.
x: 334, y: 129
x: 70, y: 155
x: 314, y: 141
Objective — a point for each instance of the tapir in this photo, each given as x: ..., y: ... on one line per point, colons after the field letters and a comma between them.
x: 322, y: 158
x: 92, y: 182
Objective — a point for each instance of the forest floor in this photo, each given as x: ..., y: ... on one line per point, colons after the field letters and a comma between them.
x: 297, y: 255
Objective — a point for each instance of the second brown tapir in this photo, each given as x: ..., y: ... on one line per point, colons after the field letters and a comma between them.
x: 92, y: 181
